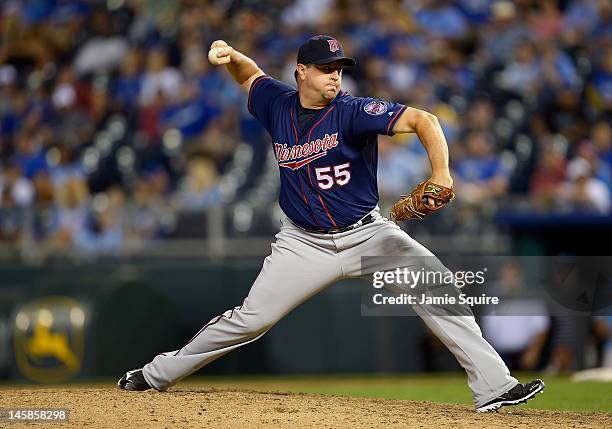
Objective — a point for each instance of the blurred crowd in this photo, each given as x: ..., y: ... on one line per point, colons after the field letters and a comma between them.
x: 530, y: 330
x: 112, y: 120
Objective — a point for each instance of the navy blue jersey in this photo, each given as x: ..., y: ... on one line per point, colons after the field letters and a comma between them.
x: 328, y: 170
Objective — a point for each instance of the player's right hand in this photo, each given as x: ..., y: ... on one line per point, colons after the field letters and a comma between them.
x: 220, y: 52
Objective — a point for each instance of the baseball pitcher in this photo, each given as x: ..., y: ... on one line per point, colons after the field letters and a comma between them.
x: 325, y: 141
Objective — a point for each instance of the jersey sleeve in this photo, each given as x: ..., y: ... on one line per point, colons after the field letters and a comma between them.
x: 372, y: 116
x: 263, y: 97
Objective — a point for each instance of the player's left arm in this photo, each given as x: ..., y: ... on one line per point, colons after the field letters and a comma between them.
x: 428, y: 129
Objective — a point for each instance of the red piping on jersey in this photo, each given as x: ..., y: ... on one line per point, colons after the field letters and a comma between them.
x: 309, y: 178
x: 297, y: 141
x: 255, y: 82
x: 328, y: 215
x: 321, y: 199
x: 318, y: 122
x: 394, y: 118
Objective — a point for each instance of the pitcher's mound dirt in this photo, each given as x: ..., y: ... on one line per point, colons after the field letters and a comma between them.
x: 232, y: 408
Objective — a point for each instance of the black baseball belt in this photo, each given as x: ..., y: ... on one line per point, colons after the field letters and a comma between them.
x: 364, y: 221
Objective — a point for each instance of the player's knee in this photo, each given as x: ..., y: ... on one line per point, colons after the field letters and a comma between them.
x: 259, y: 324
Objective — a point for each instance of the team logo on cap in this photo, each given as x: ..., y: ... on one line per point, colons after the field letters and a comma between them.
x: 334, y: 45
x: 375, y: 107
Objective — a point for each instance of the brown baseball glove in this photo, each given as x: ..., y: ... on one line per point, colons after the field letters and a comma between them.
x: 414, y: 206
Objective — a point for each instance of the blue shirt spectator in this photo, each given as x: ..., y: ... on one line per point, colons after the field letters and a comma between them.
x: 476, y: 11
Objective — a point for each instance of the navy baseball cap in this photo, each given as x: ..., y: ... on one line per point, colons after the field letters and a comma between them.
x: 322, y: 50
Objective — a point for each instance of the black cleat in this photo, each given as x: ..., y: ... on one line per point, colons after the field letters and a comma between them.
x: 134, y: 381
x: 519, y: 394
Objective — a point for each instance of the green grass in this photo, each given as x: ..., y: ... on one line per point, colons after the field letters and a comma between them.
x: 560, y: 393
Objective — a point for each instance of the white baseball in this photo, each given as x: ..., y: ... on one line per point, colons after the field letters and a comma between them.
x: 213, y: 55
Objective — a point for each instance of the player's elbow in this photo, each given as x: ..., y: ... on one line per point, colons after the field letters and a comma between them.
x: 414, y: 119
x: 423, y: 118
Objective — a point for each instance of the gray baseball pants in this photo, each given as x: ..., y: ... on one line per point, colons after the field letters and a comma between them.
x: 301, y: 265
